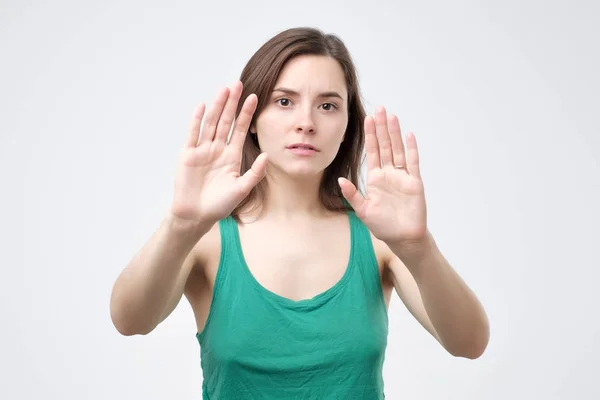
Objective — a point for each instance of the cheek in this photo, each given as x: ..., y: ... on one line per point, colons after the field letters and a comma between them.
x: 270, y: 132
x: 273, y: 124
x: 337, y: 129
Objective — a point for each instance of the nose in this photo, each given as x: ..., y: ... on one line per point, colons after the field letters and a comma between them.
x: 305, y: 123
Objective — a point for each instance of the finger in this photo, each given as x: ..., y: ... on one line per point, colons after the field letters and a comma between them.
x: 242, y: 124
x: 228, y: 114
x: 212, y: 118
x: 194, y: 126
x: 383, y: 137
x: 412, y: 155
x: 254, y: 175
x: 399, y: 158
x: 371, y: 145
x: 354, y: 197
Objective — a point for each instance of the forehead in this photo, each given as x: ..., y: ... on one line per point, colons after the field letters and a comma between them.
x: 311, y: 72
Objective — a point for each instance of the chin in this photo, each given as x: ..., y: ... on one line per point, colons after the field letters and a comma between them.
x: 304, y: 172
x: 298, y: 171
x: 302, y: 168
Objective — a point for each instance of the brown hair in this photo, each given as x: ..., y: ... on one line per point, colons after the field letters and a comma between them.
x: 260, y: 75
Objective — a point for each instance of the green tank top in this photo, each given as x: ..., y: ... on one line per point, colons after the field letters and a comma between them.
x: 259, y: 345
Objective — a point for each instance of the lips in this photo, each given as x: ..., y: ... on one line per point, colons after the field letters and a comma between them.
x: 304, y: 146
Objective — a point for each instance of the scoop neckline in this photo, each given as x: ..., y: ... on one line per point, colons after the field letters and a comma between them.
x: 304, y: 304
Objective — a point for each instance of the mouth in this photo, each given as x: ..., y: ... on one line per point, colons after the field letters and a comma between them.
x: 302, y: 146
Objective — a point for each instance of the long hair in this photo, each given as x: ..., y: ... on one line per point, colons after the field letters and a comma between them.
x: 260, y: 75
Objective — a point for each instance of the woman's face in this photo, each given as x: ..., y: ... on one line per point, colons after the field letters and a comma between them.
x: 303, y: 124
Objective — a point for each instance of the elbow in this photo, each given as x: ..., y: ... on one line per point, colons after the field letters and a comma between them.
x: 120, y: 323
x: 124, y: 330
x: 124, y: 322
x: 126, y: 327
x: 472, y: 352
x: 474, y: 346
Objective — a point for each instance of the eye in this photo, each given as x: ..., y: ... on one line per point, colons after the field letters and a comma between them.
x: 283, y: 102
x: 329, y: 106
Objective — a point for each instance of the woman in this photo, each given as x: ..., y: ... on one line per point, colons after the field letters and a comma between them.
x: 289, y: 269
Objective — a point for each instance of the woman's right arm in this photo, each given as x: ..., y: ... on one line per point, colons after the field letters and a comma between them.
x: 208, y: 187
x: 151, y: 285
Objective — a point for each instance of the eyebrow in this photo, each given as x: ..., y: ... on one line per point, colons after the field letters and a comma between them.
x: 321, y: 95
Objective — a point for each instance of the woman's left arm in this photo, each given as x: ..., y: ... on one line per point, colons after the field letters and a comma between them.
x: 439, y: 298
x: 395, y: 211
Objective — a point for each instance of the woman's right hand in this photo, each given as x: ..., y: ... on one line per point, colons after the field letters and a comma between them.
x: 208, y: 185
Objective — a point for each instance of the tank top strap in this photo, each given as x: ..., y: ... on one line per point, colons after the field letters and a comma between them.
x: 232, y: 256
x: 365, y: 257
x: 222, y: 289
x: 228, y: 232
x: 229, y: 248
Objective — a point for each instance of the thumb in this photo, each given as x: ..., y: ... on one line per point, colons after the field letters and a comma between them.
x: 351, y: 194
x: 251, y: 178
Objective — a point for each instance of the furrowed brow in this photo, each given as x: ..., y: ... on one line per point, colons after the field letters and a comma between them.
x: 291, y: 92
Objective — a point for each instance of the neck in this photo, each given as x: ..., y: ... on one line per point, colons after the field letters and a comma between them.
x: 289, y: 198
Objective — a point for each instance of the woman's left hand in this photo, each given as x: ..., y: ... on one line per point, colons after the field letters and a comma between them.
x: 394, y: 208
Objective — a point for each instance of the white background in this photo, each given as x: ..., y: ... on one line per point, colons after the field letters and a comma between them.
x: 504, y: 99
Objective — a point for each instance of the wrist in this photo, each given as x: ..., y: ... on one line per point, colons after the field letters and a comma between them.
x: 186, y: 228
x: 413, y: 248
x: 415, y: 253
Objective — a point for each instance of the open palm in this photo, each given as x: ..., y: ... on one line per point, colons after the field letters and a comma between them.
x: 394, y: 207
x: 208, y: 185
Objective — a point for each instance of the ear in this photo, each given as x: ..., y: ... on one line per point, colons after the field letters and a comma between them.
x: 252, y: 129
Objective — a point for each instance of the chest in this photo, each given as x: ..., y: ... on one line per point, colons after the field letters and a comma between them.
x: 297, y: 264
x: 290, y: 341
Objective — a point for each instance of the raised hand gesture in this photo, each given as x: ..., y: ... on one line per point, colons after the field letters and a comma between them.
x: 208, y: 185
x: 394, y: 207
